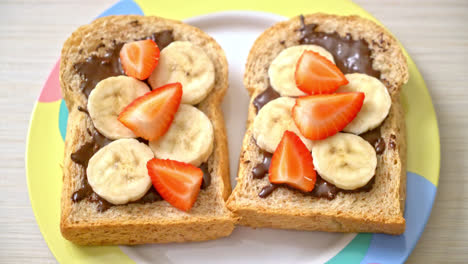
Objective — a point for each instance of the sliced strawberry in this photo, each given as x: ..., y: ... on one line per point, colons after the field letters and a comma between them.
x: 150, y: 116
x: 292, y: 164
x: 316, y: 74
x: 139, y: 58
x: 321, y: 116
x: 178, y: 183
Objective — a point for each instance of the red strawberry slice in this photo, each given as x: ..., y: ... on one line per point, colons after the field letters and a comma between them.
x: 139, y: 58
x: 315, y: 74
x: 292, y: 164
x: 321, y: 116
x: 178, y: 183
x: 150, y: 116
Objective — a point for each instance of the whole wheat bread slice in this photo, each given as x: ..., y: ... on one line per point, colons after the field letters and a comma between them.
x: 381, y: 209
x: 156, y: 222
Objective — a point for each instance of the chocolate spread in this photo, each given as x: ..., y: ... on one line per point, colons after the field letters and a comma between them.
x: 267, y: 190
x: 261, y: 169
x: 87, y: 150
x: 151, y: 196
x: 94, y: 68
x: 102, y: 205
x: 85, y: 191
x: 265, y: 97
x: 206, y: 176
x: 375, y: 139
x: 162, y: 38
x: 322, y: 189
x: 350, y: 56
x: 83, y: 109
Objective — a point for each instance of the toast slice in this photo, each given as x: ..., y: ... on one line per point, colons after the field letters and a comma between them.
x: 379, y: 210
x: 156, y: 222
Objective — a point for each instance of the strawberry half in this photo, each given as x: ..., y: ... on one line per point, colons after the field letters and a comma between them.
x: 292, y: 164
x: 321, y: 116
x: 139, y: 58
x: 316, y: 74
x: 150, y: 116
x: 178, y: 183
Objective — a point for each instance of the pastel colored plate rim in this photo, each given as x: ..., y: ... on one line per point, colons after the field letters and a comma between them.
x: 422, y: 136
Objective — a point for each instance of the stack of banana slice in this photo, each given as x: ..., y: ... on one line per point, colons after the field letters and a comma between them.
x: 345, y: 159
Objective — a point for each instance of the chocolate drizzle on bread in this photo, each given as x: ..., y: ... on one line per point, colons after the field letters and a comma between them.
x: 350, y: 55
x: 375, y: 138
x: 162, y: 38
x: 267, y: 190
x: 322, y: 189
x: 206, y: 176
x: 261, y: 169
x: 95, y: 69
x: 266, y: 96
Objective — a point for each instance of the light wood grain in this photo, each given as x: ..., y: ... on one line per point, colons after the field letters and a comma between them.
x: 435, y: 33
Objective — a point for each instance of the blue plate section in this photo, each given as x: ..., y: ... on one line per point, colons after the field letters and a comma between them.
x: 63, y: 119
x: 383, y: 249
x: 123, y: 7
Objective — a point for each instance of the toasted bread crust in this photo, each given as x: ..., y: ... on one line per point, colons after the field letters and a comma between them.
x: 156, y: 222
x: 381, y: 209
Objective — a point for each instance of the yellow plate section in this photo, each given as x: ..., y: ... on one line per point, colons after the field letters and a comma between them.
x: 181, y: 9
x: 421, y: 127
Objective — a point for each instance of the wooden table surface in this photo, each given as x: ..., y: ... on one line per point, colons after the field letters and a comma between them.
x: 434, y: 32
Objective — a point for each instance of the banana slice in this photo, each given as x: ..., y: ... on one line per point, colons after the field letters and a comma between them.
x: 283, y: 67
x: 118, y: 172
x: 108, y: 99
x: 272, y: 121
x: 189, y: 139
x: 376, y: 103
x: 345, y: 160
x: 188, y: 64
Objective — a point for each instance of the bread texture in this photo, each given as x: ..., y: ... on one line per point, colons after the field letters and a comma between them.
x: 156, y: 222
x: 381, y: 209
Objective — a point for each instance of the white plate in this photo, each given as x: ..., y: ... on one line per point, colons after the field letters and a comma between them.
x: 236, y: 32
